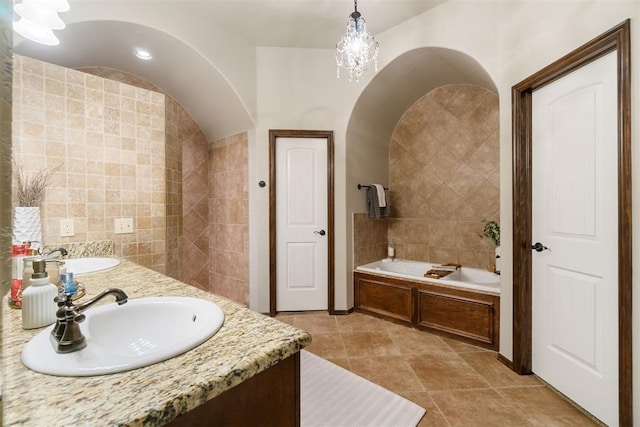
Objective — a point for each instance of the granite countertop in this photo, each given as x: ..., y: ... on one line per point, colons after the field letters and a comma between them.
x: 247, y: 344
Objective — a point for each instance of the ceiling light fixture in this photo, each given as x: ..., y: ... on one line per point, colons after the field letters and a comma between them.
x: 59, y: 5
x: 143, y: 54
x: 38, y: 19
x: 357, y: 48
x: 39, y: 15
x: 35, y: 32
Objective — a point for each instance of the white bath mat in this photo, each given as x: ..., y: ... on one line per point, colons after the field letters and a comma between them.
x: 331, y: 396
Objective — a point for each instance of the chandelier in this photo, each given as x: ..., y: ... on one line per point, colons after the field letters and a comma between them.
x: 357, y: 48
x: 38, y: 19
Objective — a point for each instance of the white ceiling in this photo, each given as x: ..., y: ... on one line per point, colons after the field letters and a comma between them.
x: 308, y: 23
x: 291, y: 23
x: 104, y: 32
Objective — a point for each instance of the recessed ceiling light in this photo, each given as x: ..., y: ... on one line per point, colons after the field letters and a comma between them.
x: 143, y: 54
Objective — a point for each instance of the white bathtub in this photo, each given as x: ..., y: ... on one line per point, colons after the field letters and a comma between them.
x: 465, y: 277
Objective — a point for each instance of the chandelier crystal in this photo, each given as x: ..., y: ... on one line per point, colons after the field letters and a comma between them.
x: 357, y: 48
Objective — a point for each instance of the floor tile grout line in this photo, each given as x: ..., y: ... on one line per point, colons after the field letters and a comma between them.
x: 447, y: 390
x: 346, y: 353
x: 508, y: 387
x: 479, y: 373
x: 444, y: 417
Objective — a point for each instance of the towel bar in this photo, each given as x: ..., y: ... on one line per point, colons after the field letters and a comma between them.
x: 367, y: 186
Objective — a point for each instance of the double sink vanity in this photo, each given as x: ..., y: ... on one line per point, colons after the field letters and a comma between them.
x: 172, y: 354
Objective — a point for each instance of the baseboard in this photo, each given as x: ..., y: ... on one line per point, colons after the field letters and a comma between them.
x: 343, y: 312
x: 508, y: 363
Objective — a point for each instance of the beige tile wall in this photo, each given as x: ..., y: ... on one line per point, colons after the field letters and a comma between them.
x: 196, y: 257
x: 229, y: 213
x: 188, y: 158
x: 108, y: 139
x: 370, y: 239
x: 173, y: 153
x: 187, y: 191
x: 189, y: 232
x: 444, y: 176
x: 120, y: 76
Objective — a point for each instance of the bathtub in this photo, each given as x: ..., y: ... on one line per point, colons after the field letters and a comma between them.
x: 465, y: 277
x: 464, y: 305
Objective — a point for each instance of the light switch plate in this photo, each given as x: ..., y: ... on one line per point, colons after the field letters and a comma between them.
x: 123, y: 225
x: 67, y: 228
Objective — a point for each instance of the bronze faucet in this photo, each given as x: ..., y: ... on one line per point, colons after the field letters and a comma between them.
x: 66, y: 332
x: 63, y: 252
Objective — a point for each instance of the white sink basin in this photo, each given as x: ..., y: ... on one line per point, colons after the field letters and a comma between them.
x: 139, y: 333
x: 89, y: 265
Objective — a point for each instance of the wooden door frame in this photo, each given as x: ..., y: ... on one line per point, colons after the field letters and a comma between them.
x: 618, y: 38
x: 274, y: 134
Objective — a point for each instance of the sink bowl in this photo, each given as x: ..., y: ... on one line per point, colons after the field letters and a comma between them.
x: 89, y: 265
x: 139, y: 333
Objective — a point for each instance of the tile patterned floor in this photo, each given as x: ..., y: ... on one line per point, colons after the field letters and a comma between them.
x: 458, y: 384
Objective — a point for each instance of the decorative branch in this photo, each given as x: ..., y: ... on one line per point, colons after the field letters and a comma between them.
x: 31, y: 188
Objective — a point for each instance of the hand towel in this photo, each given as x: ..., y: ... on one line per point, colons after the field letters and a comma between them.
x: 373, y: 205
x: 382, y: 200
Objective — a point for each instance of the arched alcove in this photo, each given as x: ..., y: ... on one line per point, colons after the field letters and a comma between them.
x: 194, y: 81
x: 379, y: 108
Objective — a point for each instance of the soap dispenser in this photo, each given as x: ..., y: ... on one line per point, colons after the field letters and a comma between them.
x: 38, y: 300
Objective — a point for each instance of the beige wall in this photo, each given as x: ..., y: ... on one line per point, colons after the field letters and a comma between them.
x: 297, y: 89
x: 108, y: 139
x: 229, y: 213
x: 444, y: 177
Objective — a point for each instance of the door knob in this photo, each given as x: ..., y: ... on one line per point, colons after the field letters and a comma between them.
x: 321, y: 232
x: 539, y: 247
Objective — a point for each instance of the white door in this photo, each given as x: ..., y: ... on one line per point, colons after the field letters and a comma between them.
x: 301, y: 224
x: 575, y: 205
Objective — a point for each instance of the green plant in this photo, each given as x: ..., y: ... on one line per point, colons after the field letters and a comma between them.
x: 492, y: 231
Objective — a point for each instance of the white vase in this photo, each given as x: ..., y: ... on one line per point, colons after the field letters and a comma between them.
x: 27, y: 226
x: 498, y: 259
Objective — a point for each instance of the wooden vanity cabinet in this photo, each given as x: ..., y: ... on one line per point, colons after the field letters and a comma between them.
x: 461, y: 314
x: 271, y: 398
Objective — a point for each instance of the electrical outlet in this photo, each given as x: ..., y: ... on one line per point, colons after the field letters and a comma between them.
x: 123, y: 225
x: 66, y: 227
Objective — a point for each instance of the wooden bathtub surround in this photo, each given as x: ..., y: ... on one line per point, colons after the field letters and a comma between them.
x: 465, y: 315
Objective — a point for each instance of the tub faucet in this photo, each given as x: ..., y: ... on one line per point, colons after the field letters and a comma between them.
x: 63, y: 252
x: 66, y: 333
